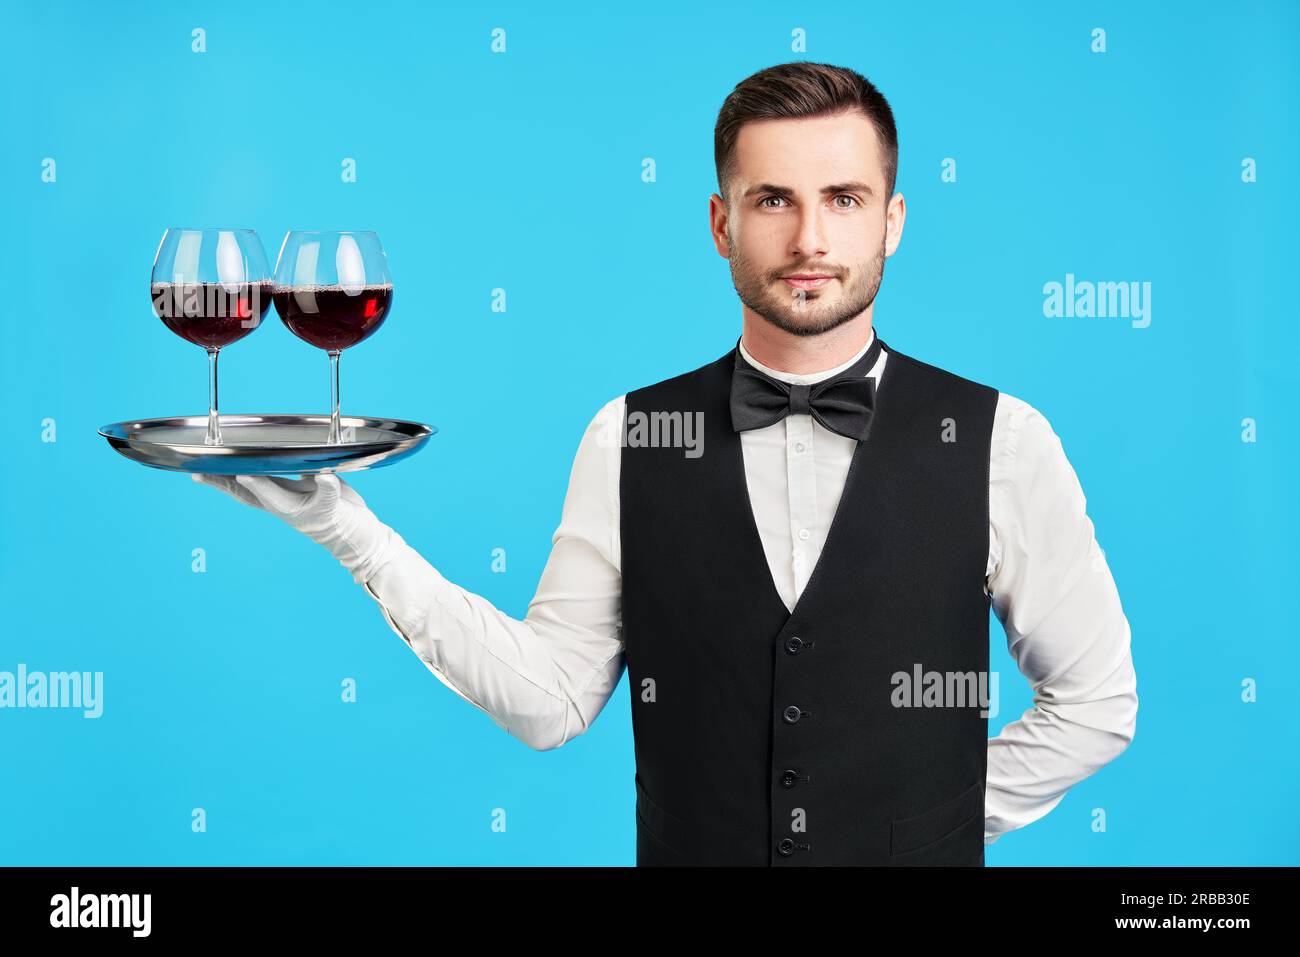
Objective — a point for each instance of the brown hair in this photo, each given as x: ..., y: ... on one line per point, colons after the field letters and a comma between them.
x: 797, y: 90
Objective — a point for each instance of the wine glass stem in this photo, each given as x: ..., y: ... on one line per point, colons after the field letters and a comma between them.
x: 334, y: 438
x: 214, y: 425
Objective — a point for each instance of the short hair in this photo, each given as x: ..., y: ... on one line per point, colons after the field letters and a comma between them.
x: 797, y: 90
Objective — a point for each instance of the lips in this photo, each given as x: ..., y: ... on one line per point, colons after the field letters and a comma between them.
x: 806, y: 280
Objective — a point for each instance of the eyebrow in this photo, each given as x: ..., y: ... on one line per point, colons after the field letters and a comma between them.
x: 853, y: 187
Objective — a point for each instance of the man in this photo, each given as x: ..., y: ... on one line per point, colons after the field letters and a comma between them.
x: 797, y: 574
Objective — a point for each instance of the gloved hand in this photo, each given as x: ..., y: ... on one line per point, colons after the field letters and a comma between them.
x: 323, y: 507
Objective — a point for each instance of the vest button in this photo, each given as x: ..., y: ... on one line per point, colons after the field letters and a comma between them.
x: 786, y: 847
x: 789, y: 779
x: 794, y: 645
x: 791, y: 714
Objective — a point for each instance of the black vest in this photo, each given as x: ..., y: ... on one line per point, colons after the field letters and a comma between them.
x: 769, y: 737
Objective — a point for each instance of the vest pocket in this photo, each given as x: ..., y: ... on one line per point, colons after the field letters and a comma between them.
x: 666, y: 829
x: 951, y: 833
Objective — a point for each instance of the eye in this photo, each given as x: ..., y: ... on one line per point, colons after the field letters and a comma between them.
x: 762, y: 201
x: 847, y: 196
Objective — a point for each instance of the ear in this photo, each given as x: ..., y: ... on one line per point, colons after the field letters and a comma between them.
x: 718, y: 220
x: 895, y: 216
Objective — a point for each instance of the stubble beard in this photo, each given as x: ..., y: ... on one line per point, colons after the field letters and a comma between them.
x: 804, y: 312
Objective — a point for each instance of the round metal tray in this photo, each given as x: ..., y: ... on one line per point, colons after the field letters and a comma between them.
x: 267, y: 444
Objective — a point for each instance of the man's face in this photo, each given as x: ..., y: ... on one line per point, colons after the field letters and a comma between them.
x: 808, y: 199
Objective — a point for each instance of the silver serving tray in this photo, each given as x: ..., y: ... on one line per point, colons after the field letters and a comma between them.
x: 267, y: 444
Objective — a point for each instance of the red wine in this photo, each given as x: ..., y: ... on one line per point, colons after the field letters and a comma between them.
x: 332, y: 317
x: 211, y: 314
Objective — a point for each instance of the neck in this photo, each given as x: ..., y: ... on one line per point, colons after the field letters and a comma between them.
x: 802, y: 355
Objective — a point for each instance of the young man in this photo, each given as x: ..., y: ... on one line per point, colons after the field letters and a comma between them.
x: 798, y: 574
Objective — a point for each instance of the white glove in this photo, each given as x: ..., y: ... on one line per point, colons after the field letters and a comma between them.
x: 323, y: 507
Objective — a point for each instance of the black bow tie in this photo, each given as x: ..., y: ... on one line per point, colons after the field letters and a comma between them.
x: 843, y: 403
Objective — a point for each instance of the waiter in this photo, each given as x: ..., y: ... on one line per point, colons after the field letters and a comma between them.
x: 793, y: 550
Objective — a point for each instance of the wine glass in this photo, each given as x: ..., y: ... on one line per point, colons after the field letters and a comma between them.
x: 333, y: 290
x: 211, y: 287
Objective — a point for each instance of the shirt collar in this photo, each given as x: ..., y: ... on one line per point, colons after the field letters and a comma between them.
x: 810, y: 377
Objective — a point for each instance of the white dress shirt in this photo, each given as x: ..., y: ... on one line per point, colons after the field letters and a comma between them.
x: 545, y: 678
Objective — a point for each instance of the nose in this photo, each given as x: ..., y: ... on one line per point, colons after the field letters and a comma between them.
x: 810, y: 240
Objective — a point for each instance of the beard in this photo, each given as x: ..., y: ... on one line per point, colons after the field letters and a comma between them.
x: 806, y: 312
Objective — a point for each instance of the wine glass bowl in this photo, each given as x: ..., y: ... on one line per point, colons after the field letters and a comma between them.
x: 331, y: 317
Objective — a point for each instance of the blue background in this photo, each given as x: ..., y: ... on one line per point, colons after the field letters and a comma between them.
x: 522, y: 171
